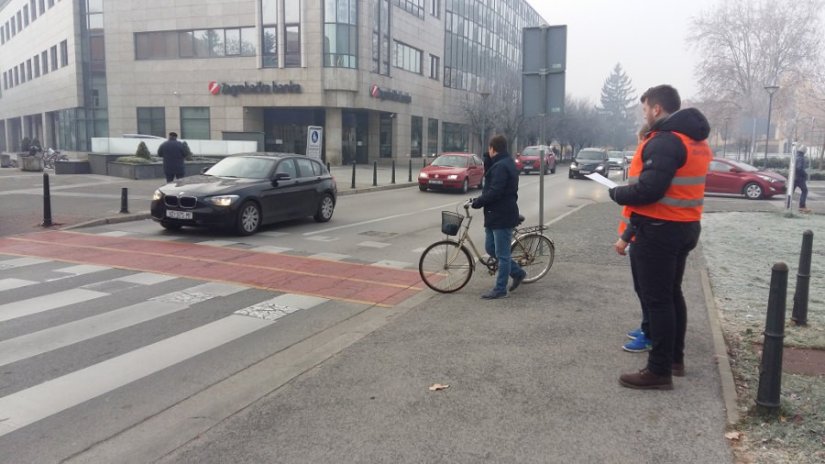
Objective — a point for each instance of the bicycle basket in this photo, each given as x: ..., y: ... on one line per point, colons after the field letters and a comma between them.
x: 450, y: 222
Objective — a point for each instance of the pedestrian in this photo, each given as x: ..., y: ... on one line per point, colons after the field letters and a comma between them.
x: 499, y: 198
x: 173, y: 153
x: 663, y: 200
x: 801, y: 178
x: 639, y: 339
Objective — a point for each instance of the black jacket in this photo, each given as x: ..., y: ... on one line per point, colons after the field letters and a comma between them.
x: 499, y: 198
x: 799, y: 167
x: 662, y: 156
x: 173, y: 154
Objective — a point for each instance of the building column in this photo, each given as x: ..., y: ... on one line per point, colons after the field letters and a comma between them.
x: 4, y: 137
x: 26, y: 126
x: 49, y: 140
x: 332, y: 136
x: 374, y: 135
x: 401, y: 131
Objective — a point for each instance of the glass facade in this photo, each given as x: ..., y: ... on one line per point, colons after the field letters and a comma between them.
x: 416, y: 136
x: 381, y: 37
x: 341, y: 34
x: 202, y: 43
x: 432, y: 136
x: 456, y: 137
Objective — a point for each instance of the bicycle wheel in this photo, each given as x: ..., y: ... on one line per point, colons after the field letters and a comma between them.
x: 535, y: 253
x: 445, y: 266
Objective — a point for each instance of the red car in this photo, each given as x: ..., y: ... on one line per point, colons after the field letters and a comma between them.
x: 454, y: 171
x: 729, y: 176
x: 531, y: 159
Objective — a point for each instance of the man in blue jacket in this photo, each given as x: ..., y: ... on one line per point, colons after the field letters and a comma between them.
x: 173, y: 154
x: 499, y: 198
x: 801, y: 178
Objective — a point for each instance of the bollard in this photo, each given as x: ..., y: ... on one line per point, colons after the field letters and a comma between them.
x: 47, y: 202
x: 374, y: 173
x: 393, y: 172
x: 328, y: 168
x: 124, y: 200
x: 424, y: 162
x: 409, y: 173
x: 353, y: 175
x: 770, y: 372
x: 799, y: 315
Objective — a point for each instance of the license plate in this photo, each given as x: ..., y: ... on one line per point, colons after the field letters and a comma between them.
x: 437, y: 182
x: 179, y: 214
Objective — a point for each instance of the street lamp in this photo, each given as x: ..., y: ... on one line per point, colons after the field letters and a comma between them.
x: 484, y: 94
x: 725, y: 140
x: 771, y: 90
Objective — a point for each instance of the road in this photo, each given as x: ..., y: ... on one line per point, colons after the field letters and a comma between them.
x: 134, y: 321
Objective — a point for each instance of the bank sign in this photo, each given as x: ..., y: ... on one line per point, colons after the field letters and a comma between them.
x: 259, y: 88
x: 387, y: 94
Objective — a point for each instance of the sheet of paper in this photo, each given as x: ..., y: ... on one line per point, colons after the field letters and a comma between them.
x: 602, y: 180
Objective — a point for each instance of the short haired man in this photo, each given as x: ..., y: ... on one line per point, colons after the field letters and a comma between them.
x: 663, y: 201
x: 800, y: 179
x: 499, y: 198
x: 173, y: 153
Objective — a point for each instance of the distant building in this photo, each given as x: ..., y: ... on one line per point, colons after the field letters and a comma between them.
x: 385, y: 78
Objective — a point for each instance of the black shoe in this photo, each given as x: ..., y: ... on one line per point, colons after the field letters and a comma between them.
x: 493, y: 295
x: 517, y: 281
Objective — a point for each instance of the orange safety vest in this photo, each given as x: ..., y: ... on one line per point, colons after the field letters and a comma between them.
x: 684, y: 199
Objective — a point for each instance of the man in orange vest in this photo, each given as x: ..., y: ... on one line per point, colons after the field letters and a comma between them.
x: 663, y: 203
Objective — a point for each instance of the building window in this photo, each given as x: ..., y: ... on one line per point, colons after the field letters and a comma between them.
x: 28, y: 69
x: 233, y: 42
x: 194, y: 122
x: 44, y: 61
x: 42, y: 4
x: 64, y: 53
x: 51, y: 3
x: 19, y: 22
x: 432, y: 136
x: 269, y: 38
x: 381, y: 37
x: 5, y: 81
x: 54, y: 57
x: 435, y: 8
x: 341, y: 34
x: 292, y: 33
x: 202, y: 43
x: 33, y: 10
x: 435, y: 66
x: 22, y: 72
x: 16, y: 77
x: 26, y: 16
x: 415, y: 7
x: 416, y: 135
x: 36, y: 61
x: 406, y: 57
x: 151, y: 120
x: 456, y: 137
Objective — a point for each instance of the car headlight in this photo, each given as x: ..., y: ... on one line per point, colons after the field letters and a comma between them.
x: 157, y: 195
x: 573, y: 166
x: 600, y: 168
x: 223, y: 200
x: 423, y: 175
x: 766, y: 178
x: 452, y: 177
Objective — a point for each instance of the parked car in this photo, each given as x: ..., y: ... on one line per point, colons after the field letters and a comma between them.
x: 531, y: 159
x: 588, y: 161
x: 729, y: 176
x: 244, y: 192
x: 616, y: 160
x: 452, y: 171
x: 628, y: 157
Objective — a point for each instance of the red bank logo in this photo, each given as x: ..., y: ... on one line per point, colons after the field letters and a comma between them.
x: 214, y: 88
x: 375, y: 91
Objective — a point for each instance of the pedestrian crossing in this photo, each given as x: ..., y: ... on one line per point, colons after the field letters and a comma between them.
x: 197, y: 317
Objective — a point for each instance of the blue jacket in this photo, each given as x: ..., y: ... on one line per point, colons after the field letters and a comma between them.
x: 499, y: 198
x: 173, y: 154
x: 799, y: 165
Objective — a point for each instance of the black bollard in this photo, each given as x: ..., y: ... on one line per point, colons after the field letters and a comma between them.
x: 374, y: 173
x: 423, y: 162
x: 409, y: 174
x: 47, y: 202
x: 770, y: 372
x: 124, y: 200
x: 799, y: 315
x: 328, y: 169
x: 393, y: 172
x: 353, y: 175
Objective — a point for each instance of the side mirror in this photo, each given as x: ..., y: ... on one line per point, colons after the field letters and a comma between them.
x: 280, y: 176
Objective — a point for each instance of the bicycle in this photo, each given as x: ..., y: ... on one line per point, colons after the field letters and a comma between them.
x: 50, y: 156
x: 446, y: 266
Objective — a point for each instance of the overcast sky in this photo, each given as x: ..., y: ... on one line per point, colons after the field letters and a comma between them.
x: 646, y: 36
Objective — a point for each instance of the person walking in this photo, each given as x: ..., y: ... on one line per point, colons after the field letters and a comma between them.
x: 663, y: 201
x: 499, y: 198
x: 801, y: 178
x: 173, y: 154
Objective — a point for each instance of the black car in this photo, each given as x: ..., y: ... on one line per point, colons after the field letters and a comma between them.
x: 588, y: 161
x: 243, y: 192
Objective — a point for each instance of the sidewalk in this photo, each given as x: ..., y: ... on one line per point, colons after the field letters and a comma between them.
x: 533, y: 378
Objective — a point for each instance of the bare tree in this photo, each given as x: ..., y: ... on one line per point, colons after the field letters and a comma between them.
x: 747, y: 44
x: 496, y: 109
x: 580, y: 126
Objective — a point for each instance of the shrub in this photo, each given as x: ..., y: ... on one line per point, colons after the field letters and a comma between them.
x: 188, y: 151
x: 142, y: 152
x: 134, y: 159
x: 25, y: 144
x: 35, y: 143
x: 772, y: 162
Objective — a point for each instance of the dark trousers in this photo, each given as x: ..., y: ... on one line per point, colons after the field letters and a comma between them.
x: 170, y: 176
x: 802, y: 184
x: 635, y: 273
x: 661, y: 250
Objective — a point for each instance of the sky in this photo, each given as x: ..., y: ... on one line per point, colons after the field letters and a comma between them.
x: 647, y: 37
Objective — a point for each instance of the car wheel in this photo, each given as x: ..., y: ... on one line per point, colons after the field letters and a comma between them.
x: 325, y: 209
x: 570, y: 175
x: 249, y: 218
x: 422, y: 187
x: 526, y: 172
x: 481, y: 183
x: 170, y: 226
x: 752, y: 191
x: 465, y: 187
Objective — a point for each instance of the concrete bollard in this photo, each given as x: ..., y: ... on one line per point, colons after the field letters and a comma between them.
x: 353, y: 175
x: 124, y: 200
x: 375, y: 173
x: 799, y: 315
x: 47, y: 202
x: 770, y: 372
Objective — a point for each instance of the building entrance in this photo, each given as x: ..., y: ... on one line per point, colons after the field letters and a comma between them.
x: 285, y: 130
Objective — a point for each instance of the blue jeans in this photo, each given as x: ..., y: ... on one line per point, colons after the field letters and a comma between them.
x: 497, y: 243
x: 801, y: 184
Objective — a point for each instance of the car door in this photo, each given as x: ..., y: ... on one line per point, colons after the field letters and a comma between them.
x: 720, y: 178
x: 308, y: 186
x: 282, y: 201
x: 479, y: 170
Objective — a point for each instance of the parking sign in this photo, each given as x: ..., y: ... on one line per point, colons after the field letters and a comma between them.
x: 315, y: 140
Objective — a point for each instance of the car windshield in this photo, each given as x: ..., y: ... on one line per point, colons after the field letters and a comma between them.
x: 586, y: 155
x: 531, y: 151
x: 743, y: 166
x: 240, y: 166
x: 451, y: 161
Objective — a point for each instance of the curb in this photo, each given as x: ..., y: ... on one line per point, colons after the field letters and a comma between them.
x: 376, y: 189
x: 720, y: 349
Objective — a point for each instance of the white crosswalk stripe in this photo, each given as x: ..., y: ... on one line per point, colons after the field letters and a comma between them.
x: 20, y: 262
x: 44, y: 303
x: 10, y: 284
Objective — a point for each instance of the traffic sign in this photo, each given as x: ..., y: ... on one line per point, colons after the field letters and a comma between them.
x: 315, y: 141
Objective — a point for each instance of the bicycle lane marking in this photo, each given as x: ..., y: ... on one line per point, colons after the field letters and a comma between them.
x: 358, y: 283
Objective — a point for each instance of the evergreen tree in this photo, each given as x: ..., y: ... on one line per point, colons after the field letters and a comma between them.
x: 143, y: 151
x: 618, y: 102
